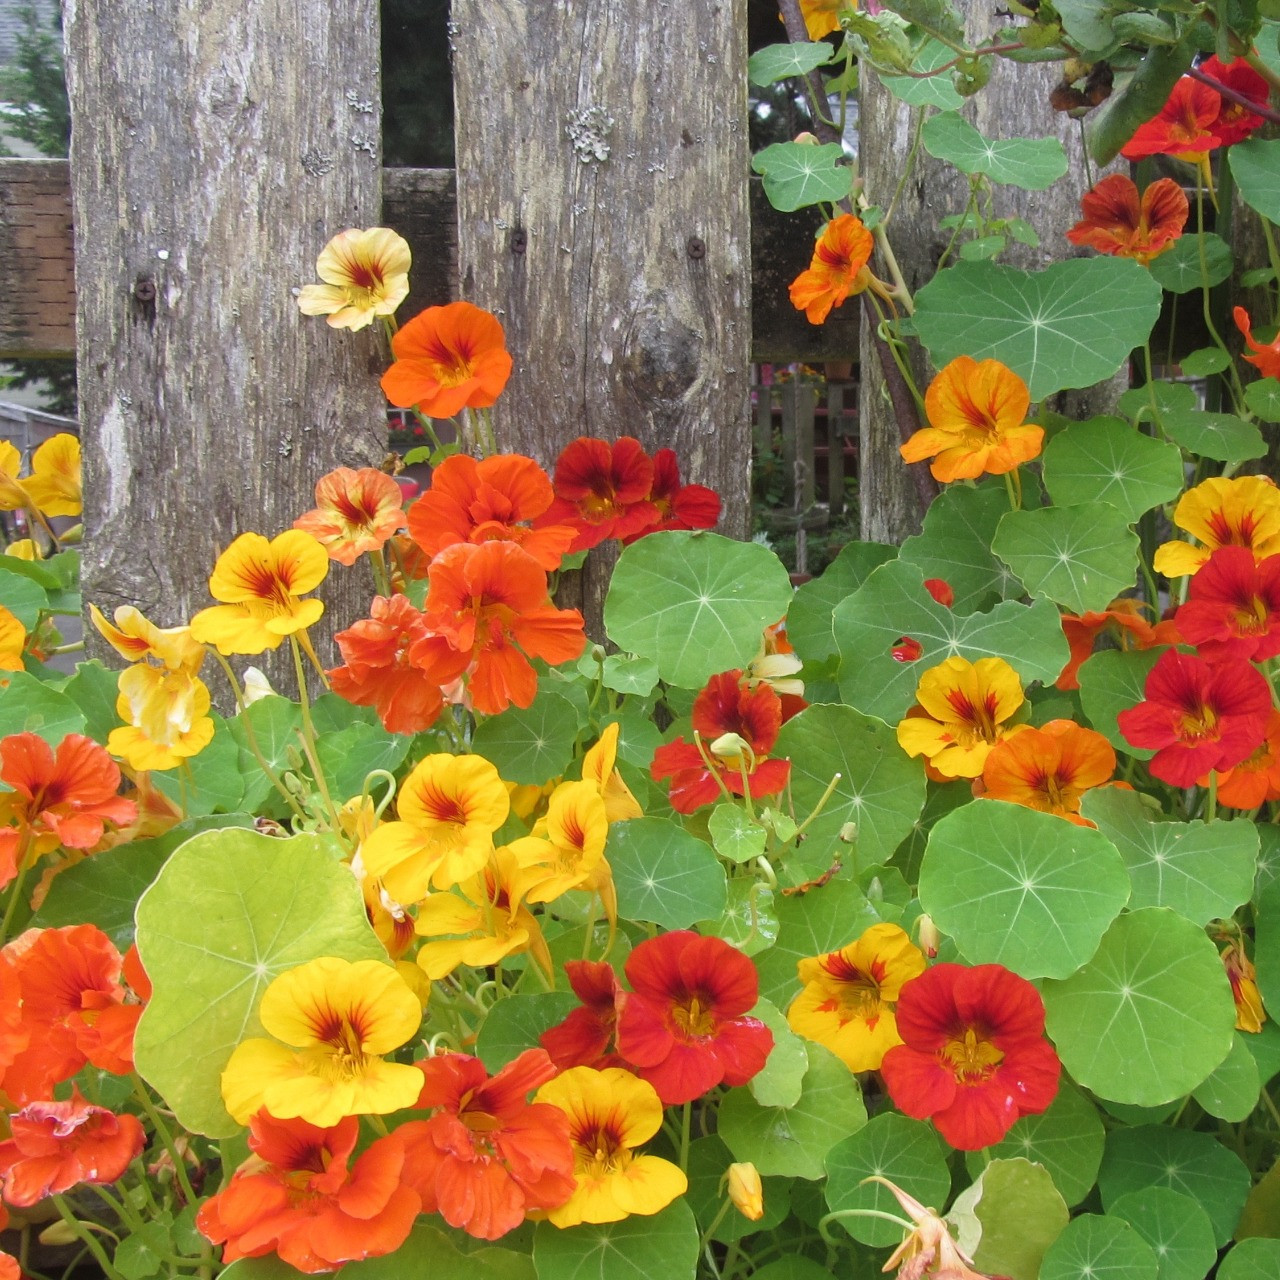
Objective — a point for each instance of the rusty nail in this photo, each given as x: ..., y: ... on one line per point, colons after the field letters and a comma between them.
x: 519, y: 240
x: 695, y: 248
x: 145, y: 291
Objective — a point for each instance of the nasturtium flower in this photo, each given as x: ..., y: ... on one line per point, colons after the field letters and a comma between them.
x: 1048, y: 768
x: 449, y: 808
x: 1265, y: 357
x: 447, y: 359
x: 1233, y: 609
x: 166, y: 715
x: 13, y: 493
x: 961, y: 711
x: 838, y: 269
x: 13, y: 640
x: 1117, y: 222
x: 746, y: 1191
x: 929, y: 1251
x: 1198, y: 716
x: 366, y: 274
x: 585, y: 1036
x: 599, y: 767
x: 332, y: 1020
x: 1250, y: 1015
x: 602, y: 491
x: 300, y: 1197
x: 493, y: 499
x: 849, y: 995
x: 1256, y: 779
x: 1238, y: 511
x: 1123, y: 621
x: 822, y: 17
x: 567, y: 845
x: 55, y: 1146
x: 54, y: 482
x: 1182, y: 127
x: 611, y: 1113
x: 355, y: 512
x: 975, y: 411
x: 133, y: 636
x: 1234, y: 121
x: 679, y: 506
x: 684, y: 1027
x: 261, y: 585
x: 974, y: 1058
x: 487, y: 1157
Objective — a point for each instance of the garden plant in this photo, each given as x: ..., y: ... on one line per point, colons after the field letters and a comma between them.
x: 924, y: 918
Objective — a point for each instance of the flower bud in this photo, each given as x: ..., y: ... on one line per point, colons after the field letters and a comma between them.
x: 930, y: 938
x: 746, y: 1191
x: 807, y: 139
x: 729, y: 746
x: 58, y: 1233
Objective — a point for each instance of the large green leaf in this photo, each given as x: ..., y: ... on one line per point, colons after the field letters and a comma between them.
x: 532, y: 744
x: 637, y: 1248
x: 1020, y: 888
x: 275, y: 724
x: 1221, y: 436
x: 1201, y: 870
x: 1180, y: 269
x: 782, y: 61
x: 1111, y: 681
x: 1030, y: 163
x: 1071, y: 325
x: 1105, y: 460
x: 229, y: 912
x: 1094, y: 1245
x: 1254, y: 1259
x: 1080, y: 557
x: 1255, y: 165
x: 1009, y: 1217
x: 809, y: 618
x: 94, y: 690
x: 19, y: 594
x: 514, y: 1024
x: 797, y: 174
x: 1174, y: 1226
x: 1196, y: 1164
x: 28, y: 705
x: 793, y: 1141
x: 1231, y: 1092
x: 663, y: 874
x: 893, y: 603
x: 1151, y: 1014
x: 880, y: 789
x: 696, y: 603
x: 350, y: 755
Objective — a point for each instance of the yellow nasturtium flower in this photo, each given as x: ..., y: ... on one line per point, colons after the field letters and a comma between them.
x: 13, y: 639
x: 1223, y: 511
x: 166, y: 715
x: 135, y: 637
x: 54, y: 482
x: 366, y: 274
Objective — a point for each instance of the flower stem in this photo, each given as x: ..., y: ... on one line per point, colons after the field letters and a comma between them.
x: 86, y: 1237
x: 143, y: 1095
x: 309, y: 735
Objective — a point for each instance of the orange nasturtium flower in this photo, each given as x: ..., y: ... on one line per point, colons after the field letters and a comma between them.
x: 822, y: 17
x: 1118, y: 223
x: 366, y: 274
x: 1181, y: 127
x: 611, y: 1113
x: 838, y: 268
x: 962, y: 707
x: 54, y: 482
x: 13, y: 640
x: 332, y: 1020
x: 1250, y: 1015
x: 849, y: 994
x: 1241, y: 511
x: 1049, y: 768
x: 975, y: 411
x: 1123, y: 620
x: 355, y: 512
x: 447, y: 359
x: 261, y: 585
x: 1264, y: 358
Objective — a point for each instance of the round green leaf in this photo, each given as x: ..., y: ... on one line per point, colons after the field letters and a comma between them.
x: 1202, y: 871
x: 809, y: 618
x: 893, y: 603
x: 1255, y: 165
x: 28, y: 705
x: 782, y: 61
x: 1106, y: 460
x: 1231, y: 1092
x: 276, y: 723
x: 230, y: 911
x: 1151, y: 1014
x: 907, y: 1152
x: 637, y: 1248
x: 880, y: 788
x: 708, y: 1160
x: 1009, y: 1218
x: 1030, y: 163
x: 696, y: 603
x: 1205, y: 362
x: 1111, y: 681
x: 1221, y: 436
x: 749, y: 920
x: 514, y: 1024
x: 1168, y: 397
x: 797, y: 174
x: 1020, y: 888
x: 533, y: 744
x: 350, y: 755
x: 736, y: 835
x: 1196, y: 1164
x: 1176, y: 1228
x: 1178, y: 269
x: 94, y: 690
x: 780, y: 1082
x: 1071, y: 325
x: 1067, y: 1139
x: 793, y: 1142
x: 1263, y: 399
x: 1080, y: 557
x: 663, y: 874
x: 925, y: 91
x: 625, y: 674
x: 19, y: 594
x: 1254, y: 1259
x: 1093, y: 1247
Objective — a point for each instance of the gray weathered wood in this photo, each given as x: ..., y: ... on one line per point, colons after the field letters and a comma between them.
x: 217, y: 146
x: 603, y: 216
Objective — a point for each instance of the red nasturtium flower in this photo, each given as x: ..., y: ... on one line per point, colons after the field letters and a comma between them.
x: 1198, y: 716
x: 974, y: 1058
x: 684, y: 1026
x: 487, y: 1157
x: 57, y: 1145
x: 446, y: 359
x: 749, y: 717
x: 1235, y: 122
x: 602, y: 490
x: 355, y: 512
x: 1234, y: 607
x: 298, y: 1198
x: 1118, y: 223
x: 494, y: 499
x: 1264, y: 357
x: 490, y: 602
x: 838, y: 268
x: 1049, y: 768
x: 1256, y: 779
x: 679, y: 506
x: 1182, y: 127
x: 975, y: 411
x: 583, y: 1039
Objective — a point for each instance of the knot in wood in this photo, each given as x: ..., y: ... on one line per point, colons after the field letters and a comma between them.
x: 662, y: 357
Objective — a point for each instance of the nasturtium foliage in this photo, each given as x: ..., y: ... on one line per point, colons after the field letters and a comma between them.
x: 1231, y: 1092
x: 230, y: 911
x: 1149, y: 1016
x: 1020, y: 888
x: 663, y: 874
x: 1070, y: 325
x: 637, y: 1248
x: 1205, y: 362
x: 1111, y: 681
x: 350, y: 755
x: 1195, y: 1163
x: 1104, y: 460
x: 1255, y: 165
x: 28, y: 705
x: 94, y: 690
x: 1030, y: 163
x: 270, y: 728
x: 1175, y: 1226
x: 907, y: 1152
x: 1099, y: 1245
x: 748, y: 921
x: 780, y: 1081
x: 926, y: 91
x: 1080, y: 557
x: 1221, y: 436
x: 696, y: 603
x: 1263, y: 399
x: 23, y: 597
x: 531, y: 744
x: 708, y: 1160
x: 1202, y: 871
x: 1009, y: 1216
x: 796, y: 175
x: 809, y: 617
x: 1256, y: 1258
x: 514, y: 1024
x: 782, y: 61
x: 1180, y: 269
